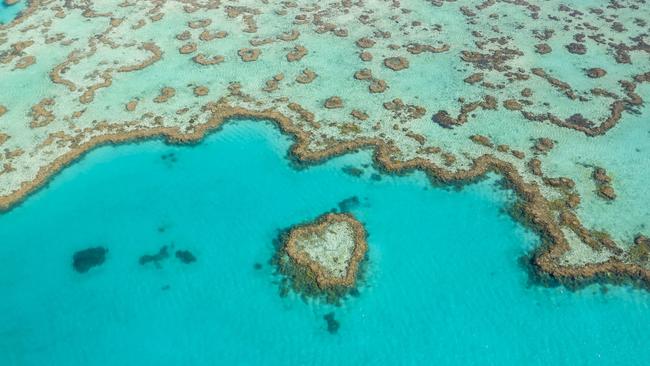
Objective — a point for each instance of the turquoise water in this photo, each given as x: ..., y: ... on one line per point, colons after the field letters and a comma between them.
x: 8, y: 13
x: 443, y: 284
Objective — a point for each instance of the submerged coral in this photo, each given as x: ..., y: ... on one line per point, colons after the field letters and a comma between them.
x: 84, y: 260
x: 155, y: 258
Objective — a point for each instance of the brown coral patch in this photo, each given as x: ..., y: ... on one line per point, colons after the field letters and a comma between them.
x: 202, y: 59
x: 361, y: 116
x: 503, y: 148
x: 396, y: 63
x: 512, y: 104
x: 542, y: 48
x: 25, y: 61
x: 187, y: 48
x: 196, y: 24
x: 518, y: 154
x: 494, y: 60
x: 273, y: 84
x: 41, y: 115
x: 600, y: 176
x: 249, y: 54
x: 577, y: 48
x: 363, y: 74
x: 304, y: 114
x: 207, y: 36
x: 306, y: 76
x: 365, y: 56
x: 607, y: 192
x: 640, y: 250
x: 289, y: 36
x: 200, y: 91
x: 603, y: 184
x: 543, y: 145
x: 443, y: 118
x: 261, y: 41
x: 131, y: 105
x: 560, y: 182
x: 333, y: 102
x: 297, y: 53
x: 184, y: 36
x: 535, y: 166
x: 365, y: 42
x: 474, y: 78
x: 377, y: 86
x: 596, y: 72
x: 404, y: 112
x: 89, y: 95
x: 482, y: 140
x: 417, y: 48
x: 419, y: 138
x: 165, y: 94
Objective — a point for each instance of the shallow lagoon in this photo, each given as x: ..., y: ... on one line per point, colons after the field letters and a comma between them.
x: 443, y: 284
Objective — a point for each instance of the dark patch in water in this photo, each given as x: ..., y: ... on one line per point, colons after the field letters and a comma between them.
x: 185, y: 256
x: 332, y: 324
x: 375, y: 177
x: 156, y: 258
x: 257, y: 266
x: 85, y: 259
x: 284, y: 287
x: 165, y: 288
x: 170, y: 157
x: 348, y: 204
x: 353, y: 171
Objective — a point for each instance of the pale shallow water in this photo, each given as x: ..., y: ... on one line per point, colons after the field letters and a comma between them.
x: 443, y: 283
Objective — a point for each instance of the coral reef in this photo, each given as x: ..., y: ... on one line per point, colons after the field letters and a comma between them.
x: 162, y: 254
x: 479, y: 91
x: 323, y: 257
x: 84, y: 260
x: 185, y: 256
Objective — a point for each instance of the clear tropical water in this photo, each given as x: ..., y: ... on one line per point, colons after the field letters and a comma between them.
x: 443, y: 284
x: 9, y: 12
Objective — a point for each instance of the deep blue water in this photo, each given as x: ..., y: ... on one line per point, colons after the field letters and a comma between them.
x: 443, y: 284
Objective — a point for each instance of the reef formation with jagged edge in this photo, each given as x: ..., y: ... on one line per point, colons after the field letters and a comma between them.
x: 548, y: 94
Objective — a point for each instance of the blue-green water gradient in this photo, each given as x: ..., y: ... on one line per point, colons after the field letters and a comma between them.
x: 10, y: 12
x: 443, y: 284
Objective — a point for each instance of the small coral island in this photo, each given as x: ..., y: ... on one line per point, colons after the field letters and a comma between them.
x: 322, y: 258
